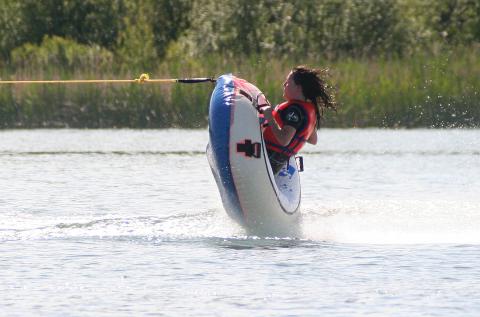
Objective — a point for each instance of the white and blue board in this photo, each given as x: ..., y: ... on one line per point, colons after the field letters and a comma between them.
x: 264, y: 204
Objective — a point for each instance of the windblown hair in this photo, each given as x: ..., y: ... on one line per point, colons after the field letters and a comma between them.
x: 315, y: 89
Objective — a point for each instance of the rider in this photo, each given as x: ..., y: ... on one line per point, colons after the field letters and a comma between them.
x: 294, y: 122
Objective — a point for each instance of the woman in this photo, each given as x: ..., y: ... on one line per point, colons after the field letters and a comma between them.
x: 295, y: 121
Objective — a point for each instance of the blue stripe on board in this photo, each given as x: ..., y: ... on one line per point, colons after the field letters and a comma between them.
x: 219, y: 131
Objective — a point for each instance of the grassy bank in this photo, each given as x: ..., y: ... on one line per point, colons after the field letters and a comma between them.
x: 419, y: 91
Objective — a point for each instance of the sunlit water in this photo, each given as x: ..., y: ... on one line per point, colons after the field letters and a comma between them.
x: 130, y: 223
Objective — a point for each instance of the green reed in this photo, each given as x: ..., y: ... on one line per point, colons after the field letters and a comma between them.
x: 418, y: 91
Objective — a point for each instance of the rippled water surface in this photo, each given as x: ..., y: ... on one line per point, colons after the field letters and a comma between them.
x: 130, y: 223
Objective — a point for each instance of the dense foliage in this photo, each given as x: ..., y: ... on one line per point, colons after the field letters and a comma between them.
x: 362, y: 41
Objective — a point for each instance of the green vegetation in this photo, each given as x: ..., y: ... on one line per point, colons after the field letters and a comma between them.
x: 395, y: 63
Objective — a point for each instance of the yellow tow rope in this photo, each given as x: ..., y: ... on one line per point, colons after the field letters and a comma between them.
x: 144, y: 78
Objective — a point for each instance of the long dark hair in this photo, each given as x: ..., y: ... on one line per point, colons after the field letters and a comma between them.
x: 315, y: 89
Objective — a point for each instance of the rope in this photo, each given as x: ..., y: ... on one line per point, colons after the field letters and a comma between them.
x: 144, y: 78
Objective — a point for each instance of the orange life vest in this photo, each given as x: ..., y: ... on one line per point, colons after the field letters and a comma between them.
x: 301, y: 135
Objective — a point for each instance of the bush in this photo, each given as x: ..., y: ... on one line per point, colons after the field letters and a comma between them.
x: 63, y: 54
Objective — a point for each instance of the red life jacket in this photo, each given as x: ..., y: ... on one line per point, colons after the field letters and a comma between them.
x: 301, y: 135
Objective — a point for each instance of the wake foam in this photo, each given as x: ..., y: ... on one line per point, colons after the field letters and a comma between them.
x: 393, y: 222
x: 212, y: 223
x: 356, y: 221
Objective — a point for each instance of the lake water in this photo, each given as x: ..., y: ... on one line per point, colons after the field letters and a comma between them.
x: 130, y: 223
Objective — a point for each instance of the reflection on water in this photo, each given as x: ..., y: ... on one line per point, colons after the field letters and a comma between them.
x: 246, y: 243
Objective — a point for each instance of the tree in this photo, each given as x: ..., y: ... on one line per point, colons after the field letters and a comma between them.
x: 85, y: 21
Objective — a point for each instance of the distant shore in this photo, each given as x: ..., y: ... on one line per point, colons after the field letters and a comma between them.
x: 418, y: 91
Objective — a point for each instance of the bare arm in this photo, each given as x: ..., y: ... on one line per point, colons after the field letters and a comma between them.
x: 283, y: 135
x: 313, y: 138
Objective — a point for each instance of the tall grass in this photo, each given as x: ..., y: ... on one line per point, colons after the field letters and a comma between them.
x: 422, y: 91
x: 418, y: 91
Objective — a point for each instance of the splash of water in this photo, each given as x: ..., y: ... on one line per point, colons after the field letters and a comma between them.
x: 394, y: 222
x: 212, y: 223
x: 360, y: 221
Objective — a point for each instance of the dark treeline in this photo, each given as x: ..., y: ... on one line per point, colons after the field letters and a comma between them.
x: 150, y: 29
x: 121, y: 38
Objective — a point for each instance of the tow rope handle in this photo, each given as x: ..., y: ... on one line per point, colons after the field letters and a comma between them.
x: 195, y: 80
